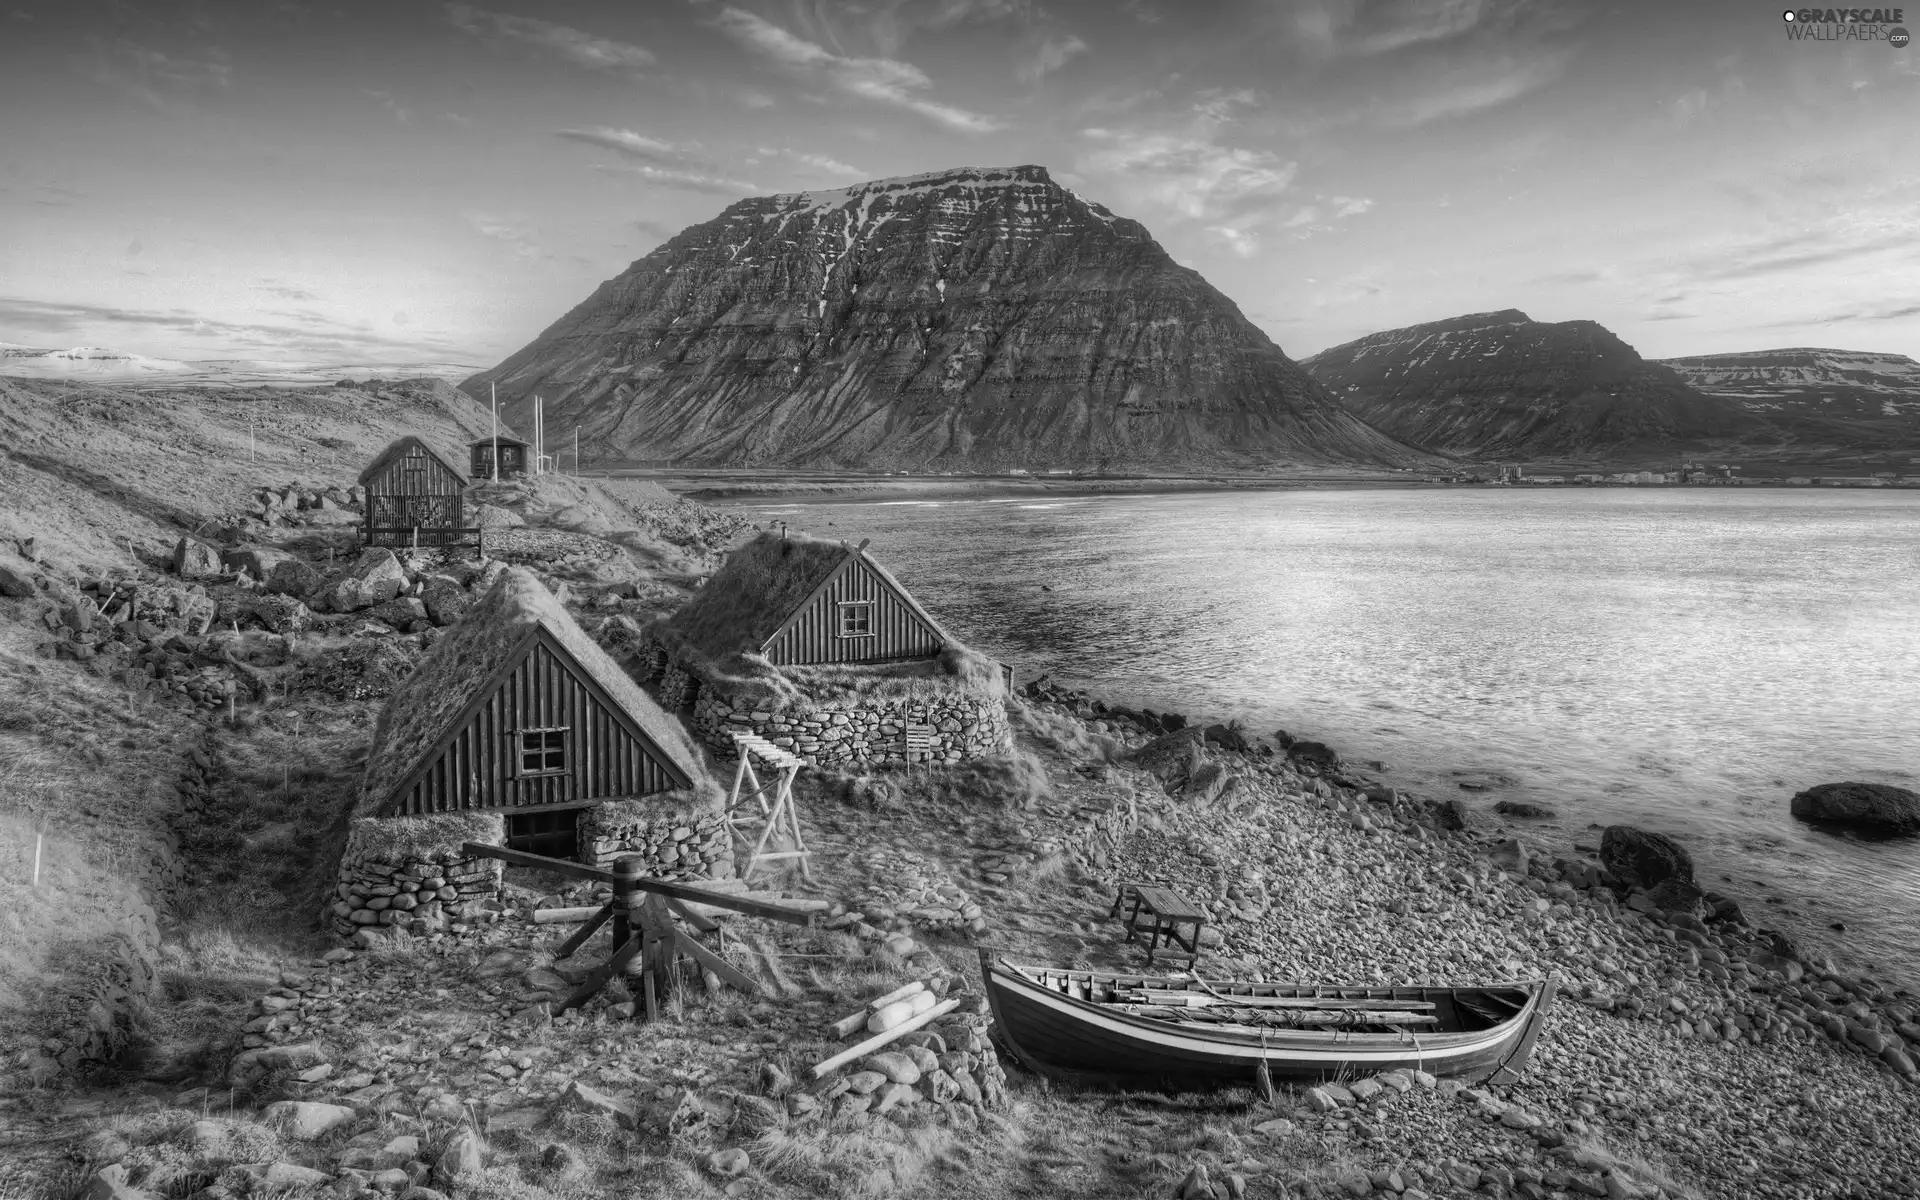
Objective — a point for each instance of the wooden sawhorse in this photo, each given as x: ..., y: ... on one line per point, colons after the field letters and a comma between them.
x: 1160, y: 912
x: 780, y: 816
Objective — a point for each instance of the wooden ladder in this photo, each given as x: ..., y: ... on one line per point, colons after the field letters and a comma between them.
x: 778, y: 815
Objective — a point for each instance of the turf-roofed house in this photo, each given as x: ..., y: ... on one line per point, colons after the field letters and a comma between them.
x: 815, y: 646
x: 415, y: 497
x: 517, y: 729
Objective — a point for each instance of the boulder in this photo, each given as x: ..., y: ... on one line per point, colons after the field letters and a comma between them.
x: 399, y: 612
x: 281, y: 614
x: 1868, y: 807
x: 308, y: 1119
x: 292, y: 577
x: 375, y: 578
x: 110, y: 1183
x: 15, y: 582
x: 1681, y: 896
x: 445, y: 599
x: 1452, y: 816
x: 1316, y: 755
x: 258, y: 561
x: 1523, y: 810
x: 464, y: 1159
x: 193, y: 559
x: 1229, y: 736
x: 1642, y: 858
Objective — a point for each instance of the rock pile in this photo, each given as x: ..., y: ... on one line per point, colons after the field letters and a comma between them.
x: 951, y: 1065
x: 291, y: 504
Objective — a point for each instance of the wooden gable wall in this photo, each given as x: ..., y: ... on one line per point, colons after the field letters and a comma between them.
x: 608, y: 756
x: 813, y: 634
x: 413, y: 488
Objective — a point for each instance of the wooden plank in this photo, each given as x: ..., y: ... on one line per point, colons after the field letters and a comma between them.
x: 823, y: 1069
x: 1178, y: 999
x: 719, y: 966
x: 793, y: 912
x: 520, y: 858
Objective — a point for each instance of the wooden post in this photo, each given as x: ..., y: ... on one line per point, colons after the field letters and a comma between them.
x: 627, y: 870
x: 38, y: 839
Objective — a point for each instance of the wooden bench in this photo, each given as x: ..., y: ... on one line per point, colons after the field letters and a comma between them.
x: 1160, y: 913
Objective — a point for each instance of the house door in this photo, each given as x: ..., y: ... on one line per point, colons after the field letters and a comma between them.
x: 553, y: 834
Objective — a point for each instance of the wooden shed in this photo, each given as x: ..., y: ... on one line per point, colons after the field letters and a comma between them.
x: 517, y: 709
x: 510, y: 452
x: 801, y: 600
x: 414, y: 497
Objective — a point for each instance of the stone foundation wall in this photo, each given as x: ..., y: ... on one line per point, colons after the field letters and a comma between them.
x: 866, y: 731
x: 419, y: 889
x: 676, y: 845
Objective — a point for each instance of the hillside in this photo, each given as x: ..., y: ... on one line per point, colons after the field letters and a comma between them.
x: 97, y: 364
x: 1827, y: 403
x: 971, y: 319
x: 1502, y: 385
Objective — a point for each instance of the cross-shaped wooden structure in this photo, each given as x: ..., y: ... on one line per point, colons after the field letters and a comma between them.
x: 777, y: 815
x: 642, y: 912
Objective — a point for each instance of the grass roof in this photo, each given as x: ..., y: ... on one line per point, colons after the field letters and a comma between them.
x: 467, y: 659
x: 720, y: 630
x: 400, y: 446
x: 760, y: 586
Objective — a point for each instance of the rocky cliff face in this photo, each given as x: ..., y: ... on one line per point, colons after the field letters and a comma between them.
x: 1843, y: 400
x: 1501, y: 384
x: 966, y: 319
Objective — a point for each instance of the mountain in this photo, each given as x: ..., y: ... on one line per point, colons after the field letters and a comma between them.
x: 1838, y: 400
x: 1502, y: 385
x: 95, y: 364
x: 976, y: 318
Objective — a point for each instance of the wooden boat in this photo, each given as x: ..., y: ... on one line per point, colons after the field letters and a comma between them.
x: 1182, y: 1033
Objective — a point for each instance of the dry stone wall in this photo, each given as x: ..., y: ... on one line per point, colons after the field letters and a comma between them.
x: 676, y: 845
x: 418, y: 889
x: 871, y: 730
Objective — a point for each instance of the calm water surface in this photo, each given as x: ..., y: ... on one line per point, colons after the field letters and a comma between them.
x: 1680, y: 660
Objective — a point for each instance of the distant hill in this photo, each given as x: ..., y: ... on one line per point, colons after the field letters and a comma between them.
x: 1826, y: 402
x: 96, y: 364
x: 1502, y: 385
x: 974, y: 318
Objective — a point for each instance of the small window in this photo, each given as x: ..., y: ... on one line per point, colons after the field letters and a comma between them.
x: 856, y: 619
x: 413, y: 463
x: 543, y: 751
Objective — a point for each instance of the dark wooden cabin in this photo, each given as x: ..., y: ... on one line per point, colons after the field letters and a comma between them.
x: 517, y: 709
x: 801, y: 600
x: 512, y: 453
x: 414, y: 497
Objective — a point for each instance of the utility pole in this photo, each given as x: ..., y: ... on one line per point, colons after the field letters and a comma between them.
x: 576, y: 452
x: 493, y: 470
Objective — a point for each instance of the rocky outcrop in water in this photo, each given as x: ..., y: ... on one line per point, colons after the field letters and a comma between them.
x: 966, y: 319
x: 1870, y: 807
x: 1501, y: 384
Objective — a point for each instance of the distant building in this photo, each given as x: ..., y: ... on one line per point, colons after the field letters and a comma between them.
x: 1546, y: 479
x: 1589, y: 478
x: 510, y: 451
x: 1798, y: 480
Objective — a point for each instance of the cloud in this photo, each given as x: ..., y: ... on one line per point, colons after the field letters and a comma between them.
x: 401, y: 112
x: 1865, y: 314
x: 1189, y: 173
x: 667, y: 164
x: 1472, y: 87
x: 153, y: 77
x: 818, y: 162
x: 313, y: 334
x: 1054, y: 51
x: 880, y: 80
x: 1368, y: 28
x: 504, y: 231
x: 685, y: 180
x: 576, y: 46
x: 1574, y: 276
x: 1350, y: 206
x: 627, y: 143
x: 285, y: 292
x: 1779, y: 255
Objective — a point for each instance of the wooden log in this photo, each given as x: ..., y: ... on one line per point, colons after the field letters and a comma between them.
x: 823, y: 1069
x: 847, y: 1026
x: 566, y: 916
x: 698, y: 920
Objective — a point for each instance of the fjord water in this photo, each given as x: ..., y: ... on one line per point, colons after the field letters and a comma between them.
x: 1682, y: 660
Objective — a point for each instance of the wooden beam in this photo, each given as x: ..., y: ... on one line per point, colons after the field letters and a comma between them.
x: 846, y: 1026
x: 598, y: 977
x: 698, y: 921
x: 586, y: 931
x: 520, y: 858
x: 713, y: 962
x: 823, y: 1069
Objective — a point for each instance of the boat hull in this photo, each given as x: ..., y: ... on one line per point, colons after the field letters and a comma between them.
x: 1070, y: 1039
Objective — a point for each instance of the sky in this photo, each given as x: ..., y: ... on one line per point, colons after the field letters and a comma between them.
x: 405, y: 181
